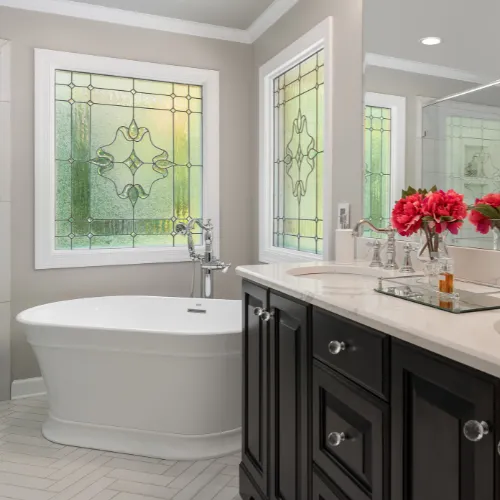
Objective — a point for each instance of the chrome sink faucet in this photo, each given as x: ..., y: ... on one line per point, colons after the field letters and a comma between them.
x: 391, y: 244
x: 209, y: 263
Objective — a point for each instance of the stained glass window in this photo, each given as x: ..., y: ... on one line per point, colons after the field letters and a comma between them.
x: 129, y: 161
x: 298, y: 156
x: 378, y: 161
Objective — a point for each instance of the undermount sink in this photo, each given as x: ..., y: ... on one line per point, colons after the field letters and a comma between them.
x: 345, y: 279
x: 319, y: 272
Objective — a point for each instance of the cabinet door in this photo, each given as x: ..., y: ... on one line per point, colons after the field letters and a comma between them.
x: 432, y: 400
x: 289, y: 404
x: 255, y: 449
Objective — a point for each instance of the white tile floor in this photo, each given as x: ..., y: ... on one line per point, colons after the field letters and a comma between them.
x: 32, y: 468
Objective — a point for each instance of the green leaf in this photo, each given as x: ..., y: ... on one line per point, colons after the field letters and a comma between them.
x: 487, y: 210
x: 422, y: 191
x: 408, y: 192
x: 427, y: 218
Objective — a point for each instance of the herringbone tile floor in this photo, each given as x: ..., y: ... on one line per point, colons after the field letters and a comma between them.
x: 32, y: 468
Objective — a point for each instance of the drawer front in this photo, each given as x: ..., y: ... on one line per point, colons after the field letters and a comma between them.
x: 359, y: 352
x: 350, y: 435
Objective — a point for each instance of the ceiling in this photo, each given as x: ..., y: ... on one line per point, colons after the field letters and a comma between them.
x: 238, y: 14
x: 469, y: 30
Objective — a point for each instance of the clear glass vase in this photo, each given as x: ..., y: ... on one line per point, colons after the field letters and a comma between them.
x: 432, y: 248
x: 495, y: 230
x: 432, y: 245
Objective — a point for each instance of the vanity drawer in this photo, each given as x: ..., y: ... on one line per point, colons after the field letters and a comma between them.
x: 357, y: 351
x: 350, y: 435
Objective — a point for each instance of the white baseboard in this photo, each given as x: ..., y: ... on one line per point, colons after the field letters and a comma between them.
x: 28, y: 387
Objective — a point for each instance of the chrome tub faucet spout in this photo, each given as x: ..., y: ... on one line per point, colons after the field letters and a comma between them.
x: 209, y: 264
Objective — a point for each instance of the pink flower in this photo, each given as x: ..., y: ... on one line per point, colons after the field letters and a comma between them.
x: 480, y: 220
x: 407, y: 215
x: 446, y: 210
x: 492, y: 199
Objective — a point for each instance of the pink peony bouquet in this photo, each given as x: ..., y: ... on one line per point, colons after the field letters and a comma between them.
x: 485, y: 213
x: 439, y: 210
x: 433, y: 212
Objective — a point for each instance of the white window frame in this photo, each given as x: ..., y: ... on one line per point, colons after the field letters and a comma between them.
x: 397, y: 105
x: 320, y: 37
x: 46, y: 62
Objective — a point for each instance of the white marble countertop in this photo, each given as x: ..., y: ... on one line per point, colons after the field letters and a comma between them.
x: 471, y: 338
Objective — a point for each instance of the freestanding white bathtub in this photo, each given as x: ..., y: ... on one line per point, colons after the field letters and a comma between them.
x: 152, y: 376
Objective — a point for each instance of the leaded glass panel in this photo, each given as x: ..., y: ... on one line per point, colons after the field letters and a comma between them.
x: 377, y: 183
x: 129, y: 161
x: 298, y: 156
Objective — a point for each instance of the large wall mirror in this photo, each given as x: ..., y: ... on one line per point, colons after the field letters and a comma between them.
x: 432, y: 103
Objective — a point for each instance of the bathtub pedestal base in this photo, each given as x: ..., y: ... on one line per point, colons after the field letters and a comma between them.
x: 143, y: 443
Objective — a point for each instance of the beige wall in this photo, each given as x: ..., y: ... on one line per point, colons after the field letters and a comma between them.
x: 28, y: 30
x: 347, y: 140
x: 411, y: 86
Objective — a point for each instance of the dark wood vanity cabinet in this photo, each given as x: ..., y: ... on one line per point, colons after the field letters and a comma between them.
x: 333, y: 410
x: 438, y: 408
x: 255, y: 425
x: 275, y: 391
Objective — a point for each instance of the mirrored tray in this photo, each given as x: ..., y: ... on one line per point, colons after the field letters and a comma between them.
x: 468, y: 297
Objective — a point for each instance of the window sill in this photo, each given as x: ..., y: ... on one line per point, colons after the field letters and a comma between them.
x: 112, y: 257
x: 275, y: 256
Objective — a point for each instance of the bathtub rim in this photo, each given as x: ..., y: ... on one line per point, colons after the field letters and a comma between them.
x: 154, y: 331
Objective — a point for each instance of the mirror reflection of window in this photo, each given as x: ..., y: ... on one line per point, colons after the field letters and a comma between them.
x: 384, y: 135
x: 461, y: 151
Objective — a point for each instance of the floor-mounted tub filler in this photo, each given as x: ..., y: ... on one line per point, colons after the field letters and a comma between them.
x: 151, y: 376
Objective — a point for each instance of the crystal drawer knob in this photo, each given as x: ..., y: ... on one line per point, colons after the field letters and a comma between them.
x: 336, y: 347
x: 336, y: 438
x: 258, y: 311
x: 266, y: 315
x: 475, y: 431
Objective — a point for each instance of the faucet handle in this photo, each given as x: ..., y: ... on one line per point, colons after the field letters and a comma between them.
x: 407, y: 266
x: 376, y: 259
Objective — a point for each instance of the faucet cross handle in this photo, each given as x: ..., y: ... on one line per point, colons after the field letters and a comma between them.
x: 407, y: 266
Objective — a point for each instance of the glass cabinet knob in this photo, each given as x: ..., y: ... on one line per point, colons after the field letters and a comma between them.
x: 266, y: 315
x: 258, y: 311
x: 475, y: 431
x: 336, y: 438
x: 335, y: 347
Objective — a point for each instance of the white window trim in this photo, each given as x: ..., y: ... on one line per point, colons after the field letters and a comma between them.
x: 397, y: 104
x: 320, y: 37
x: 46, y: 62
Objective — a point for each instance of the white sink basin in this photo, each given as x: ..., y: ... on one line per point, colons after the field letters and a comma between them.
x: 345, y: 279
x: 317, y: 272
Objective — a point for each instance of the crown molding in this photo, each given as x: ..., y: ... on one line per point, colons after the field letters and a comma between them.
x: 129, y: 18
x: 269, y: 17
x: 154, y: 22
x: 409, y: 66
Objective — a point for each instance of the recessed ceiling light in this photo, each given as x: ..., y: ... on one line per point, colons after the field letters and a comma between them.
x: 431, y: 40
